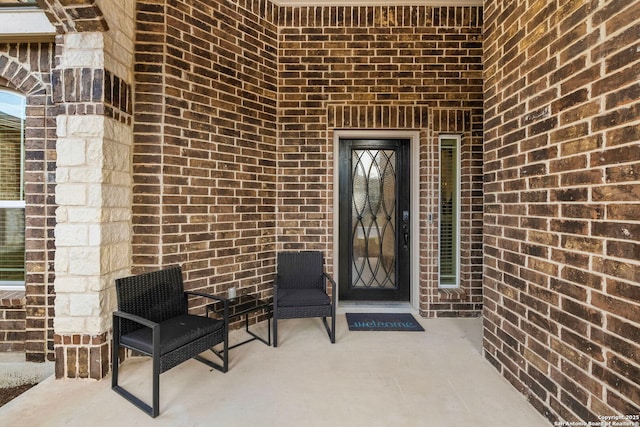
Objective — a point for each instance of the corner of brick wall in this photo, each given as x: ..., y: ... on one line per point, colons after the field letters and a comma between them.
x: 82, y: 356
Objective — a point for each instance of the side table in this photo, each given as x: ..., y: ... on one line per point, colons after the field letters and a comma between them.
x: 241, y: 305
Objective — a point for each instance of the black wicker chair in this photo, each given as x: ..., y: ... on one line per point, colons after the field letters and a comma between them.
x: 300, y: 290
x: 152, y: 319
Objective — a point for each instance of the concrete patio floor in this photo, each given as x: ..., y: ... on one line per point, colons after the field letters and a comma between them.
x: 433, y: 378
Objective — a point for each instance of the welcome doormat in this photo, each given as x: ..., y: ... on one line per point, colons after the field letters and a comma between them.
x: 383, y: 322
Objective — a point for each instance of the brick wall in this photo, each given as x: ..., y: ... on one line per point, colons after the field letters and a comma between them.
x: 205, y: 141
x: 26, y: 67
x: 205, y: 160
x: 12, y: 321
x: 205, y: 128
x: 562, y: 270
x: 404, y: 67
x: 83, y: 89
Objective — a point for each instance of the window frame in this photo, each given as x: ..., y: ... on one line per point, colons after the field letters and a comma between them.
x: 17, y: 204
x: 457, y: 145
x: 19, y: 5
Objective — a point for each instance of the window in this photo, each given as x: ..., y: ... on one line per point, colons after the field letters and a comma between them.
x: 12, y: 253
x: 18, y: 3
x: 449, y: 211
x: 24, y: 21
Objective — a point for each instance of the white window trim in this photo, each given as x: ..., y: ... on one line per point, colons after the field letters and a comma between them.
x: 12, y: 204
x: 458, y: 140
x: 25, y: 23
x: 12, y: 285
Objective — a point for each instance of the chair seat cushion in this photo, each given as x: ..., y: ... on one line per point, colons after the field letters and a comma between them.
x: 302, y: 297
x: 174, y: 333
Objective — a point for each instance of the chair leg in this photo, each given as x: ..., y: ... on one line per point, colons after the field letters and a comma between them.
x: 115, y: 354
x: 225, y: 360
x: 149, y: 410
x: 331, y: 332
x: 154, y: 409
x: 275, y: 331
x: 333, y: 329
x: 155, y: 406
x: 114, y: 366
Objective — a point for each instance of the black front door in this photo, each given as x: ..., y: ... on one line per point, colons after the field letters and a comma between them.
x: 374, y: 208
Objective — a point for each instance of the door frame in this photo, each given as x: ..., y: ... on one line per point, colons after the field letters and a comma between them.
x: 414, y: 183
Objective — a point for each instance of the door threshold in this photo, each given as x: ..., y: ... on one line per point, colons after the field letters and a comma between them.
x: 375, y: 307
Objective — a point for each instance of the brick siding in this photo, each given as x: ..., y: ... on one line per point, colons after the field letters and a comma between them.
x: 404, y: 67
x: 562, y: 125
x: 205, y: 142
x: 26, y: 68
x: 214, y: 109
x: 233, y: 124
x: 12, y: 321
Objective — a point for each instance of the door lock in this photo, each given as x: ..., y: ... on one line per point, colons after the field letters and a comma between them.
x: 405, y: 228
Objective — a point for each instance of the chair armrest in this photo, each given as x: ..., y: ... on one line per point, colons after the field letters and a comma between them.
x: 224, y: 301
x: 333, y: 284
x: 330, y: 279
x: 275, y: 295
x: 202, y: 294
x: 154, y: 326
x: 135, y: 318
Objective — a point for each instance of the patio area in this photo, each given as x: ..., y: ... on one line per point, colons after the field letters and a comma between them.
x: 433, y: 378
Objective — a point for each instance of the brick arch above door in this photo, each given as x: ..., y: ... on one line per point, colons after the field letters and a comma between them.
x: 377, y: 116
x: 423, y: 117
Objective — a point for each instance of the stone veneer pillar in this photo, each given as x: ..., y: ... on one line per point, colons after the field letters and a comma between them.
x: 93, y: 220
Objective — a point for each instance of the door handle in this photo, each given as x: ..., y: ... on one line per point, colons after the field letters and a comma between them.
x: 405, y: 233
x: 405, y: 228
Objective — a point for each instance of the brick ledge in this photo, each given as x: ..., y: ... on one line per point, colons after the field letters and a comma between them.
x: 12, y: 299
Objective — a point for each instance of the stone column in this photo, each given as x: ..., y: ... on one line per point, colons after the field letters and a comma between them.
x: 93, y: 193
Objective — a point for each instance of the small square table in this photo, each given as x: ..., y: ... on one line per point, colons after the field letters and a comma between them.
x: 240, y: 305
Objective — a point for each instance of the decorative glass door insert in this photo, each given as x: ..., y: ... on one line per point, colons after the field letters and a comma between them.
x: 374, y: 220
